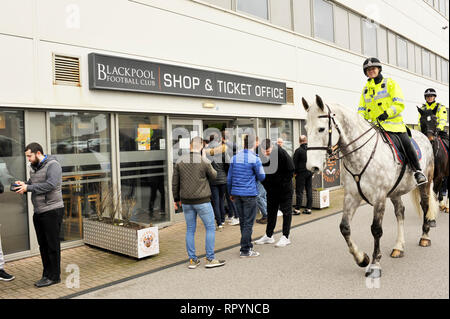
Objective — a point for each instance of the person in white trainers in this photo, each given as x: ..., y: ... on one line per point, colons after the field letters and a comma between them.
x: 279, y: 169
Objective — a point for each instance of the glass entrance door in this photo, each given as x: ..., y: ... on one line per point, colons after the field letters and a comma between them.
x: 181, y: 133
x: 13, y: 207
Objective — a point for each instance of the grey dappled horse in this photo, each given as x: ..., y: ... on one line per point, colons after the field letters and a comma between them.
x: 333, y: 128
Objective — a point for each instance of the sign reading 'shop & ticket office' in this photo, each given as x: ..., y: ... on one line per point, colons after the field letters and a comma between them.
x: 122, y: 74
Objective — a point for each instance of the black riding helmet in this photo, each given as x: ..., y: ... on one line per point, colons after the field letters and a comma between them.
x: 371, y: 62
x: 429, y: 91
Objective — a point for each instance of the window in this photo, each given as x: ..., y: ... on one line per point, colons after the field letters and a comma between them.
x: 281, y: 131
x: 143, y: 159
x: 442, y: 7
x: 444, y: 71
x: 369, y: 38
x: 13, y: 208
x: 402, y: 53
x: 81, y: 143
x: 425, y: 63
x: 341, y: 32
x: 257, y: 8
x: 323, y: 20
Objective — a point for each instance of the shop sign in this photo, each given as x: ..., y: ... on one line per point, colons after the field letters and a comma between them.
x: 123, y: 74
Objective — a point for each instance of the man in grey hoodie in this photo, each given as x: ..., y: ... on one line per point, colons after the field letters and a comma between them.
x: 45, y: 187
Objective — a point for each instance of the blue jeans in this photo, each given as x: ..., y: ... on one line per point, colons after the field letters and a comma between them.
x: 217, y: 195
x: 206, y: 214
x: 261, y: 199
x: 246, y: 207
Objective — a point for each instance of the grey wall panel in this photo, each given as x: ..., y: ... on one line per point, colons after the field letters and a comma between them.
x: 355, y: 32
x: 382, y: 44
x: 302, y: 16
x: 341, y: 27
x: 280, y: 13
x: 392, y: 48
x: 221, y: 3
x: 411, y: 59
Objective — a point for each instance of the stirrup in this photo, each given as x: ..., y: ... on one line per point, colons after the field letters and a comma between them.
x: 417, y: 176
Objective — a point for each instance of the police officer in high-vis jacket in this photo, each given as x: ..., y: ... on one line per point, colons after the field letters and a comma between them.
x: 382, y: 102
x: 441, y: 113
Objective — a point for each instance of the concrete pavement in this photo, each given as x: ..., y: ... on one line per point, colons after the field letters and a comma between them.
x: 316, y: 265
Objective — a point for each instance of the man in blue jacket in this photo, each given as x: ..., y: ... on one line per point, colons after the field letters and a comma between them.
x: 245, y: 169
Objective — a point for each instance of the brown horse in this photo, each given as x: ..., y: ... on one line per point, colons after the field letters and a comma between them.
x: 428, y: 126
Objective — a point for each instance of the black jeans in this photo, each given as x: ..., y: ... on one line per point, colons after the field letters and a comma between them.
x: 277, y: 200
x: 217, y: 196
x: 48, y: 228
x: 409, y: 149
x: 303, y: 180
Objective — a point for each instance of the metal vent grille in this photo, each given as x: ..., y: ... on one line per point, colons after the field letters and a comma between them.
x: 289, y: 95
x: 66, y: 70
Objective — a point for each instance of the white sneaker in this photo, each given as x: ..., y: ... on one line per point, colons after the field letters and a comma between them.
x: 228, y: 220
x: 283, y: 242
x: 280, y: 213
x: 234, y: 221
x: 265, y: 240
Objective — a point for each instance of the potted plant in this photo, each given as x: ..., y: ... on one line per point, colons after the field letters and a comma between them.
x: 113, y: 230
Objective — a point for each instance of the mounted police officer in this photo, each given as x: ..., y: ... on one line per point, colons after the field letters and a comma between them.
x: 382, y: 102
x: 441, y: 113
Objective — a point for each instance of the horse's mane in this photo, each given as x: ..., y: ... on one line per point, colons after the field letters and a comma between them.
x: 351, y: 114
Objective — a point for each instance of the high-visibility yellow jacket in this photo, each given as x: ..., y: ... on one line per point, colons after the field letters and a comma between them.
x: 441, y: 114
x: 384, y: 96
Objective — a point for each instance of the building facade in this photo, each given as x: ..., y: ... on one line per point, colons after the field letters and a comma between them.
x: 119, y: 135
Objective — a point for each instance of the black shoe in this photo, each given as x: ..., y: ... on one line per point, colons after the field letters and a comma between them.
x: 262, y: 220
x: 4, y: 276
x: 296, y: 211
x: 420, y: 178
x: 45, y: 282
x: 307, y: 212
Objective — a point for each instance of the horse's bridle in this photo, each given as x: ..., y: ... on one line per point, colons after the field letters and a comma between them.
x: 332, y: 151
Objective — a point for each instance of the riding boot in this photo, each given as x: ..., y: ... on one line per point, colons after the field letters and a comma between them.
x: 411, y: 153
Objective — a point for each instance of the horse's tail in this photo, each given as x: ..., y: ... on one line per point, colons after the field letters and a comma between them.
x: 433, y: 206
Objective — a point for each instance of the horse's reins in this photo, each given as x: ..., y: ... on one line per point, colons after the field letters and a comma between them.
x: 332, y: 151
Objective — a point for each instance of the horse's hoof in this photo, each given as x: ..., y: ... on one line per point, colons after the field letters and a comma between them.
x: 365, y: 261
x: 397, y: 253
x: 432, y: 223
x: 373, y: 272
x: 425, y: 242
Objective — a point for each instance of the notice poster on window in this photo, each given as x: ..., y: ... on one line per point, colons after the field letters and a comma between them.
x: 144, y: 136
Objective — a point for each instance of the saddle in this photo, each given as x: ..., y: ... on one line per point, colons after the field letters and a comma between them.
x: 397, y: 147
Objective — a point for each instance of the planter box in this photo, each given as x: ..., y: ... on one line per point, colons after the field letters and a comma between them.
x: 320, y: 199
x: 131, y: 242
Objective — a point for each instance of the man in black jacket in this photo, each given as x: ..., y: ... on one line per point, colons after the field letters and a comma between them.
x: 279, y: 169
x: 303, y: 178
